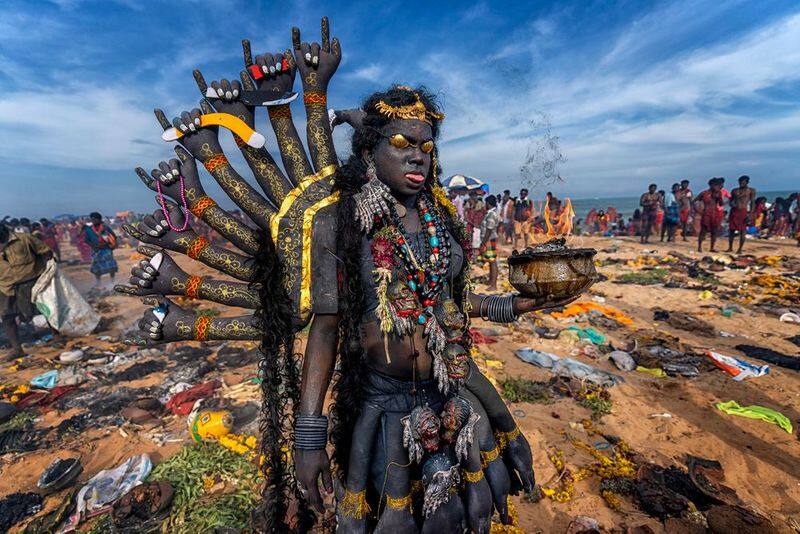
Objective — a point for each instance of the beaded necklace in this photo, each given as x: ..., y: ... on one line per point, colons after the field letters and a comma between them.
x: 426, y: 277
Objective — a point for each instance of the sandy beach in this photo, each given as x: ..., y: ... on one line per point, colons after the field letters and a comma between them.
x: 661, y: 419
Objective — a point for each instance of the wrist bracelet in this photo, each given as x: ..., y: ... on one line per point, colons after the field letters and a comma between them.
x: 500, y: 309
x: 310, y: 432
x: 480, y: 308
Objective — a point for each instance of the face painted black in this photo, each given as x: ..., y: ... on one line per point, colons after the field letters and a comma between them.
x: 404, y: 170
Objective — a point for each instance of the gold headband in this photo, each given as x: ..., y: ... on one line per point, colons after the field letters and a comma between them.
x: 417, y: 111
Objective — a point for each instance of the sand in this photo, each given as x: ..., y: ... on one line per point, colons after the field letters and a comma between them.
x: 760, y: 460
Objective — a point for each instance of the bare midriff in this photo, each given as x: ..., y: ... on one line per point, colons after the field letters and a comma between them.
x: 401, y: 351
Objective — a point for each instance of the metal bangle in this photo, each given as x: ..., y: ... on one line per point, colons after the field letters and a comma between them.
x: 480, y: 308
x: 310, y: 432
x: 501, y: 309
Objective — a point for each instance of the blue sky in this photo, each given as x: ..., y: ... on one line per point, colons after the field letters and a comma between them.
x: 636, y: 91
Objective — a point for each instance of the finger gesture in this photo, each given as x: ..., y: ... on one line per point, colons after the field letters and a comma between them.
x: 158, y: 275
x: 273, y: 73
x: 163, y: 323
x: 317, y: 62
x: 225, y: 96
x: 196, y: 139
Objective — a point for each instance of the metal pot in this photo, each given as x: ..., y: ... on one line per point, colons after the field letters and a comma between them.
x: 558, y: 274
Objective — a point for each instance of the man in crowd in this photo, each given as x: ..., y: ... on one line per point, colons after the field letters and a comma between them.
x: 501, y: 204
x: 671, y: 214
x: 488, y: 249
x: 103, y: 241
x: 712, y: 201
x: 742, y: 203
x: 684, y: 198
x: 23, y: 258
x: 649, y: 203
x: 523, y: 208
x: 508, y: 215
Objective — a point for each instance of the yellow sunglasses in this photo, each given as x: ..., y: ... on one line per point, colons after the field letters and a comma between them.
x: 401, y: 141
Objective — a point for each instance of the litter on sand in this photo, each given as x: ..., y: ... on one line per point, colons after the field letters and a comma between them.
x: 568, y: 367
x: 738, y: 369
x: 46, y: 380
x: 756, y: 412
x: 579, y: 308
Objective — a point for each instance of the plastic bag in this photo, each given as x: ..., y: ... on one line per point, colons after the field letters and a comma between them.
x: 109, y: 485
x: 62, y: 304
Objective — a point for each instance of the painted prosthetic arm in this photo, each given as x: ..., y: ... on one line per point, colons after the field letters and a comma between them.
x: 239, y: 99
x: 179, y: 181
x: 156, y: 230
x: 160, y: 275
x: 168, y: 322
x: 317, y: 64
x: 274, y: 74
x: 202, y: 142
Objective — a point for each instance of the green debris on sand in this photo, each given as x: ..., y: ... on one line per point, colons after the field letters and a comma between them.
x: 524, y: 390
x: 20, y: 421
x: 597, y: 399
x: 645, y: 277
x: 214, y: 487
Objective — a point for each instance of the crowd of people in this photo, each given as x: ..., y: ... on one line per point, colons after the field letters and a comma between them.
x: 713, y: 213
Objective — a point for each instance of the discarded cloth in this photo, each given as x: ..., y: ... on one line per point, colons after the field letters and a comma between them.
x: 756, y: 412
x: 183, y: 402
x: 568, y: 367
x: 583, y: 371
x: 684, y: 321
x: 656, y: 372
x: 771, y: 356
x: 537, y: 357
x: 109, y: 485
x: 46, y: 380
x: 588, y: 333
x: 578, y: 308
x: 46, y: 399
x: 622, y: 360
x: 481, y: 338
x: 738, y: 369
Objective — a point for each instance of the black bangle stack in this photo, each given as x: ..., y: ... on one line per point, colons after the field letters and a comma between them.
x: 498, y: 309
x: 310, y: 432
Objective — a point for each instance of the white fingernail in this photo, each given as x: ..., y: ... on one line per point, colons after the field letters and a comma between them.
x: 235, y: 92
x: 183, y: 127
x: 152, y: 233
x: 315, y: 61
x: 278, y: 66
x: 228, y: 95
x: 164, y: 223
x: 192, y: 127
x: 197, y: 121
x: 159, y: 228
x: 211, y: 93
x: 175, y: 173
x: 265, y: 69
x: 272, y: 70
x: 308, y: 56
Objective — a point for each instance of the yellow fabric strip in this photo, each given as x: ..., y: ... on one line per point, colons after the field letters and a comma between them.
x: 304, y: 184
x: 305, y: 280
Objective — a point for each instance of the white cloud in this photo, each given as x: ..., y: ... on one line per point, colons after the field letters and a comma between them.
x: 87, y: 128
x: 371, y: 73
x: 624, y: 120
